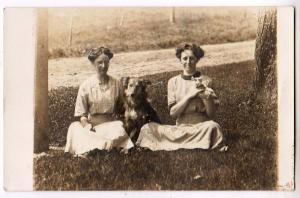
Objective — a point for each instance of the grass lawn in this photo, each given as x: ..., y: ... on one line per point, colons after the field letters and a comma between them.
x: 249, y: 164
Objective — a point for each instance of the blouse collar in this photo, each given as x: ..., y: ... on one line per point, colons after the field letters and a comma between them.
x: 103, y: 82
x: 186, y: 77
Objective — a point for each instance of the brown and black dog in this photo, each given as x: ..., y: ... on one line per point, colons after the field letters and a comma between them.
x: 137, y: 109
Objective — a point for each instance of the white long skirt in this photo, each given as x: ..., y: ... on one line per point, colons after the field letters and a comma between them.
x: 204, y: 135
x: 106, y: 136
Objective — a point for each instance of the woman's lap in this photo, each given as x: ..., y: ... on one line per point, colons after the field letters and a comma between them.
x: 105, y: 137
x: 205, y: 135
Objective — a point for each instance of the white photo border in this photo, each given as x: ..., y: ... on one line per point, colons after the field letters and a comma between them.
x: 136, y: 3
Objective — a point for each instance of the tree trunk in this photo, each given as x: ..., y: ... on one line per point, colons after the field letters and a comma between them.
x: 41, y: 119
x: 172, y: 15
x: 265, y: 55
x: 71, y: 31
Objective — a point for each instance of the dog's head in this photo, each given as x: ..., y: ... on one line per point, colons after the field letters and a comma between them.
x: 135, y: 88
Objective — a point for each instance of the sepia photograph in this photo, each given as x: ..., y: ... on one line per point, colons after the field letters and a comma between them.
x: 157, y: 98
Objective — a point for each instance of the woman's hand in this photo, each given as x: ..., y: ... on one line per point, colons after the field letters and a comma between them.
x: 84, y: 121
x: 205, y: 95
x: 207, y: 98
x: 193, y: 93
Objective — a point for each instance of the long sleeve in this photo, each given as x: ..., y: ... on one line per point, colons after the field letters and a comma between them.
x: 81, y: 106
x: 171, y: 93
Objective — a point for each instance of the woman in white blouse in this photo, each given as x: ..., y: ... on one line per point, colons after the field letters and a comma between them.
x: 193, y: 107
x: 95, y: 105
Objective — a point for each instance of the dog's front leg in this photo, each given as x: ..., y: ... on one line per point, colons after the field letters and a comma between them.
x: 132, y: 133
x: 128, y: 125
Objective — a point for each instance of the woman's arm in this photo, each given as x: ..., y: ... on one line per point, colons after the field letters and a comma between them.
x: 180, y: 106
x: 81, y: 106
x: 208, y: 98
x: 210, y: 107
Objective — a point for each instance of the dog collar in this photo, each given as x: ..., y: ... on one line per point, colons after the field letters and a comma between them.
x: 186, y: 77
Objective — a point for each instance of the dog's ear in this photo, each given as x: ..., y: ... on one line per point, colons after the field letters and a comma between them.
x: 146, y: 82
x: 124, y: 81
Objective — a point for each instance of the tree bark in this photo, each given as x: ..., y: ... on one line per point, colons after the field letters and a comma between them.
x: 266, y: 54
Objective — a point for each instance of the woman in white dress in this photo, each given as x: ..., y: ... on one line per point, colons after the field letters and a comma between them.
x: 192, y: 104
x: 95, y: 105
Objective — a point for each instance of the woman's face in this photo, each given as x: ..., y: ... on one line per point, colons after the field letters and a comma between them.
x: 189, y: 61
x: 101, y: 64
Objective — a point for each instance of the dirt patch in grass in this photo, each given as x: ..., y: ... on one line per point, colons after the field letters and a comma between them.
x: 69, y: 72
x: 250, y: 163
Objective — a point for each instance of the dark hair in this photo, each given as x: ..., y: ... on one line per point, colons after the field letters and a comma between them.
x: 197, y: 51
x: 96, y: 52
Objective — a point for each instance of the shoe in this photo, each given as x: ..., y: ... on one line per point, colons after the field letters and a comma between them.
x: 223, y: 148
x: 124, y: 151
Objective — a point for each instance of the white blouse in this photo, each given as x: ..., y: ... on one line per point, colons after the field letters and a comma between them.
x: 178, y: 87
x: 96, y: 98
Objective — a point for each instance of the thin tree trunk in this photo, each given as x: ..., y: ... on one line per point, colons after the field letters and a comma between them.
x: 70, y: 31
x: 172, y: 15
x: 122, y: 19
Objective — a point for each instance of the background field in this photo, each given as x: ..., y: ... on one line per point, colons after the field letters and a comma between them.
x: 134, y: 29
